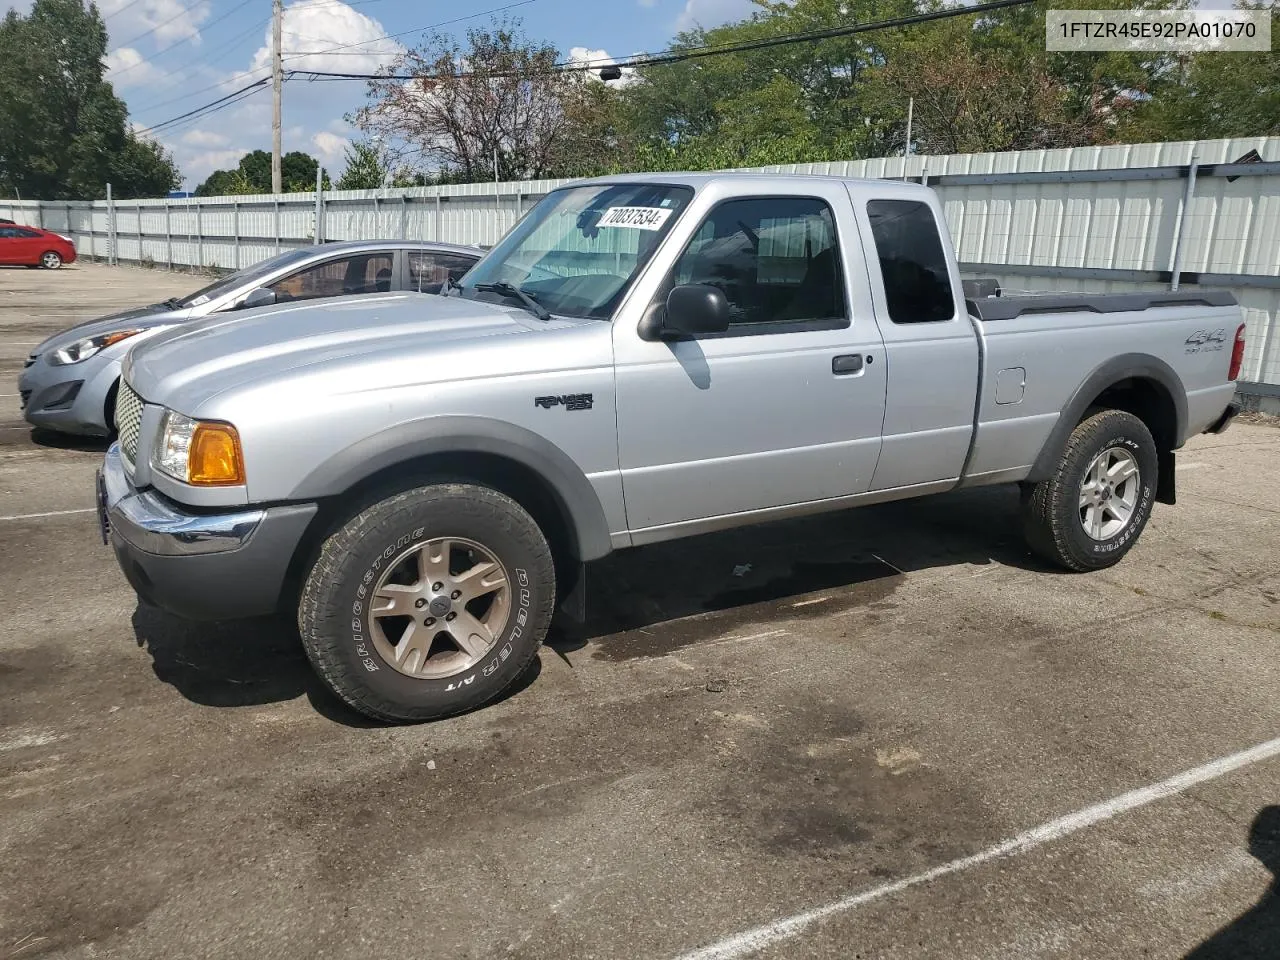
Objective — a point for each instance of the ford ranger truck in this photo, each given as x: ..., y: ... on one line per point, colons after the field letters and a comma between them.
x: 420, y: 479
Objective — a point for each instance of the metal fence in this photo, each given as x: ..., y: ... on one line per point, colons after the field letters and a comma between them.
x: 1119, y: 218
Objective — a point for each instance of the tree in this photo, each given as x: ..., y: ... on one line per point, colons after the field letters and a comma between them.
x: 1218, y: 95
x: 365, y: 170
x: 496, y: 98
x: 253, y: 175
x: 63, y: 131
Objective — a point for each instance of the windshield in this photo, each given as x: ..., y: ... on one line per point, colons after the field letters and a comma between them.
x: 579, y: 249
x: 242, y: 277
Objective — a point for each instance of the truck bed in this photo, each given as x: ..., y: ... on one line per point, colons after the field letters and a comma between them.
x: 988, y: 309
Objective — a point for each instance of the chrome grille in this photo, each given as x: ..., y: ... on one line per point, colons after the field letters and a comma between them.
x: 128, y: 419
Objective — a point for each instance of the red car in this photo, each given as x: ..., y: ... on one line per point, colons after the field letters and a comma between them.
x: 33, y: 247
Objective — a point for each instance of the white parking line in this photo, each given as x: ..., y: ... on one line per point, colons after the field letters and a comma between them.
x: 50, y: 513
x: 757, y: 938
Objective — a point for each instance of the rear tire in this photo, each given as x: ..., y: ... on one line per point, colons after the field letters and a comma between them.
x: 428, y: 603
x: 1092, y: 510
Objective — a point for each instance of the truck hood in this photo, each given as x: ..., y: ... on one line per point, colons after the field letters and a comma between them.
x: 189, y: 364
x: 139, y: 318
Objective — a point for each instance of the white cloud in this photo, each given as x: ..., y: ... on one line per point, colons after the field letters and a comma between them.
x: 597, y: 59
x: 126, y: 67
x: 313, y: 26
x: 162, y: 21
x: 204, y: 138
x: 197, y: 167
x: 330, y: 146
x: 712, y: 13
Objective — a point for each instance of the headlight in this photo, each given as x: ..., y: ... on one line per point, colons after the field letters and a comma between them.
x: 86, y: 348
x: 199, y: 452
x: 70, y: 240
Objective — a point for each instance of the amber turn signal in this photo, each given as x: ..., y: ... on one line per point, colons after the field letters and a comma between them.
x: 215, y: 459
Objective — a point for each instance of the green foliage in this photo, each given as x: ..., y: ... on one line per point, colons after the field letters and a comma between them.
x: 253, y: 175
x: 63, y: 131
x: 1218, y: 95
x: 366, y: 170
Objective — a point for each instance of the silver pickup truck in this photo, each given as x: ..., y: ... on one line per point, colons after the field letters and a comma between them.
x: 423, y: 478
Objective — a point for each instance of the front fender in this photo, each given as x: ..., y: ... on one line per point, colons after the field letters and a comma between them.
x: 460, y: 434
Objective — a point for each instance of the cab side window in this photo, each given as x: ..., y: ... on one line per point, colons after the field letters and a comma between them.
x: 364, y: 273
x: 917, y: 284
x: 777, y: 260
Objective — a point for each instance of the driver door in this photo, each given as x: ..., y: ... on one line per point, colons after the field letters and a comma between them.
x: 774, y: 413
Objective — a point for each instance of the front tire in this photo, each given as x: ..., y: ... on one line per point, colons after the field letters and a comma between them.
x: 1092, y: 510
x: 51, y: 260
x: 428, y: 603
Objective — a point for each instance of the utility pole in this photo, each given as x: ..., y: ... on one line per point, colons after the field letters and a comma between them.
x: 277, y: 81
x: 906, y: 147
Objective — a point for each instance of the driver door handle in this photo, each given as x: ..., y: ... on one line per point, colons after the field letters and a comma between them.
x: 846, y: 363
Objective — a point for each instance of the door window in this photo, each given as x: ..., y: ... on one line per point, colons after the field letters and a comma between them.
x: 776, y: 259
x: 917, y: 284
x: 364, y: 273
x: 428, y: 271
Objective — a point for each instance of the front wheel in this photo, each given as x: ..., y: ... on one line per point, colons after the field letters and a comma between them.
x: 51, y: 260
x: 428, y: 603
x: 1090, y: 513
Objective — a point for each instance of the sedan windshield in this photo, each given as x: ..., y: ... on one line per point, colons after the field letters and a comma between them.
x: 245, y: 277
x: 579, y: 249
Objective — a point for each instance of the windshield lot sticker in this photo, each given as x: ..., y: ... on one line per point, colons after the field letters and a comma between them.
x: 638, y: 218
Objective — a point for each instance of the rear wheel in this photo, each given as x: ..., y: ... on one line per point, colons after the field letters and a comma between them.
x: 51, y: 260
x: 1090, y: 513
x: 428, y: 603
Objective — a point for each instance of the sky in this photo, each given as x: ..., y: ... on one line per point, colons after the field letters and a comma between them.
x: 166, y: 57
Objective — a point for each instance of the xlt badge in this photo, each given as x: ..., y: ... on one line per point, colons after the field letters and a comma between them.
x: 570, y: 401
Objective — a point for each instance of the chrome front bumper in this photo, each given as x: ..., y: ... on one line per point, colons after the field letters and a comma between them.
x: 156, y: 525
x: 204, y: 566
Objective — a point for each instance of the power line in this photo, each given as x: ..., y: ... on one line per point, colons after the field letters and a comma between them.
x: 227, y: 100
x: 392, y: 36
x: 694, y: 53
x: 178, y: 43
x: 158, y: 26
x: 213, y: 86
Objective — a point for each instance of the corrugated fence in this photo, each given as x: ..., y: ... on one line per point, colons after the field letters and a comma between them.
x: 1118, y: 218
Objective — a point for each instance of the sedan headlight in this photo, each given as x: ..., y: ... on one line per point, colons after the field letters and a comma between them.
x: 86, y: 348
x: 70, y: 240
x: 203, y: 453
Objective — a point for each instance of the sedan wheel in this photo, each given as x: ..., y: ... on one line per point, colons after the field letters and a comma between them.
x: 51, y: 260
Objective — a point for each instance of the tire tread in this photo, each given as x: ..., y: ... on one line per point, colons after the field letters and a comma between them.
x: 320, y: 642
x: 1044, y: 529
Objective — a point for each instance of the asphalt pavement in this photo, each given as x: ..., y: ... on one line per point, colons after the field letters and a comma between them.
x: 886, y: 733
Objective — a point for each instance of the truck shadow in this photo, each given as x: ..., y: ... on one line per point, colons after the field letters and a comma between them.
x: 658, y: 599
x: 646, y: 602
x: 1255, y: 934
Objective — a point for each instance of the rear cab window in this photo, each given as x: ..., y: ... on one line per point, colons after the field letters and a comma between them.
x: 917, y: 283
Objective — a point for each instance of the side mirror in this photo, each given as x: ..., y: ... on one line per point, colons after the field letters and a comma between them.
x: 259, y: 297
x: 694, y: 309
